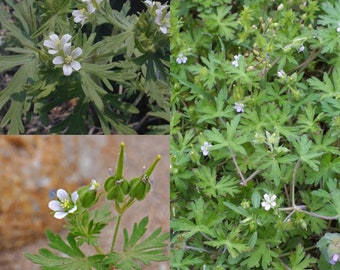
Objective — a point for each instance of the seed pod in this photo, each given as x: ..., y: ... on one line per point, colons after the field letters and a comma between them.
x: 119, y: 190
x: 140, y: 186
x: 110, y: 182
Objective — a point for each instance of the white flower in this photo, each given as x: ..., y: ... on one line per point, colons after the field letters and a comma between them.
x: 163, y: 21
x: 156, y: 4
x: 68, y: 60
x: 94, y: 185
x: 280, y: 7
x: 205, y: 148
x: 338, y: 29
x: 90, y: 7
x: 80, y: 16
x: 235, y: 62
x: 55, y: 44
x: 64, y: 205
x: 239, y: 107
x: 335, y: 258
x: 281, y: 73
x: 301, y: 49
x: 269, y: 201
x: 181, y: 59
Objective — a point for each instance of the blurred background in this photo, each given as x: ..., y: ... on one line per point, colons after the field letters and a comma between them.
x: 33, y: 167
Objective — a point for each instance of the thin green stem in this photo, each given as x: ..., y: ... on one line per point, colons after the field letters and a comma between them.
x: 115, y: 233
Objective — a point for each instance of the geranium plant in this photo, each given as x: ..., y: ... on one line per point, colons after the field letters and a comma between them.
x: 255, y: 134
x: 84, y: 66
x: 86, y: 216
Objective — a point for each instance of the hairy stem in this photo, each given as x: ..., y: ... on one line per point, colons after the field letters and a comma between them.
x: 236, y: 165
x: 115, y: 233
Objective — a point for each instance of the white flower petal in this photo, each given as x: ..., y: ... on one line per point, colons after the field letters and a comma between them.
x: 273, y: 198
x: 58, y: 60
x: 76, y: 52
x: 90, y: 8
x: 73, y: 209
x: 52, y: 51
x: 60, y: 215
x: 48, y: 43
x: 67, y: 70
x: 62, y: 194
x: 54, y: 37
x: 67, y: 48
x: 65, y: 38
x: 75, y: 196
x: 55, y: 206
x: 266, y: 197
x: 75, y: 65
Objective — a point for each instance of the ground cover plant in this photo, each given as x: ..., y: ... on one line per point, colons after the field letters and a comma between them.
x: 84, y: 66
x: 86, y: 217
x: 255, y: 134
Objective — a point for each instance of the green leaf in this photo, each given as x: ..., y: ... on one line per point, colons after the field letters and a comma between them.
x: 92, y: 90
x: 8, y: 24
x: 233, y: 138
x: 76, y: 259
x: 8, y: 62
x: 146, y: 250
x: 210, y: 111
x: 299, y: 260
x: 231, y: 243
x: 213, y: 187
x: 203, y: 221
x: 306, y: 153
x: 261, y: 254
x: 237, y: 209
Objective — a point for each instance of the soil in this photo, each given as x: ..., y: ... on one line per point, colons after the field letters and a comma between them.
x: 140, y: 151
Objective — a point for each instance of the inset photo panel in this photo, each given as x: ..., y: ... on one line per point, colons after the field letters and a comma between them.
x: 84, y: 67
x: 84, y: 202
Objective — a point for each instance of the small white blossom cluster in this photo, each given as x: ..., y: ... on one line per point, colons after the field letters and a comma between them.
x: 181, y: 58
x: 269, y: 201
x: 338, y: 29
x: 281, y: 73
x: 205, y: 148
x: 239, y: 107
x: 82, y: 15
x: 235, y: 62
x: 162, y: 17
x: 65, y: 55
x: 335, y: 257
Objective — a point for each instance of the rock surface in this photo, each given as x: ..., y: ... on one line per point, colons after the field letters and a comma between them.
x: 32, y: 167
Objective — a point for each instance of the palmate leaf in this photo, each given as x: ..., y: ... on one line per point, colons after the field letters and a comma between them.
x: 231, y: 243
x: 135, y: 249
x: 210, y: 111
x: 203, y: 223
x: 306, y: 153
x: 179, y: 261
x: 212, y: 187
x: 231, y: 138
x: 329, y: 88
x: 261, y: 254
x: 299, y: 260
x: 75, y: 259
x: 221, y: 22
